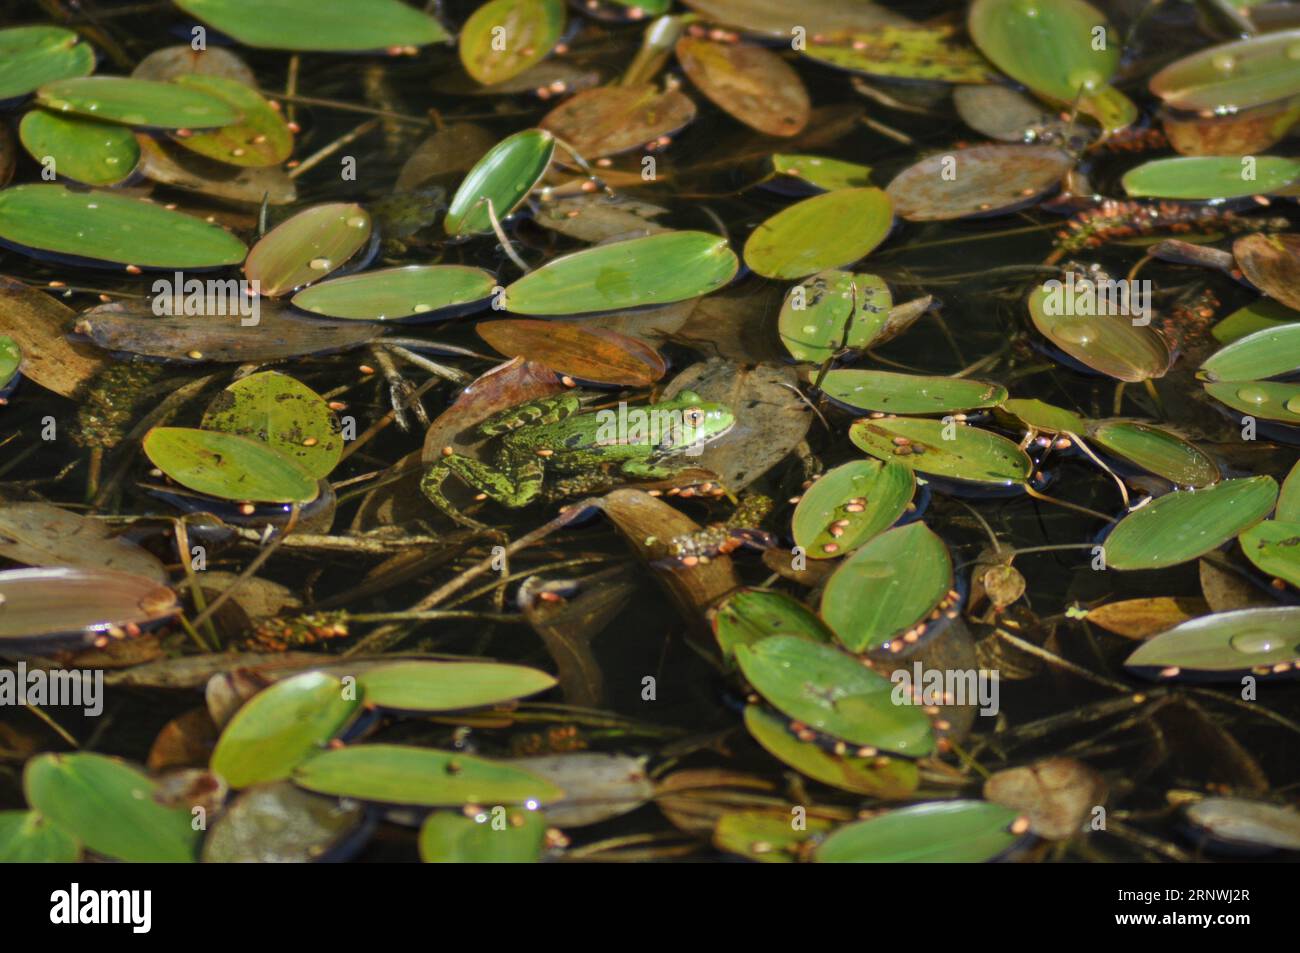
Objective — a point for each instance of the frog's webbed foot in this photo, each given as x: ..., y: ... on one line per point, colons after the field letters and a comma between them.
x: 547, y: 410
x: 514, y: 491
x: 741, y: 529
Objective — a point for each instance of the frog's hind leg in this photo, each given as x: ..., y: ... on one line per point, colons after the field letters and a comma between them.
x: 547, y: 410
x: 515, y: 489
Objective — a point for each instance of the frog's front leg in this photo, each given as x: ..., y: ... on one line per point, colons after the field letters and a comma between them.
x: 545, y: 410
x: 516, y: 487
x: 646, y: 470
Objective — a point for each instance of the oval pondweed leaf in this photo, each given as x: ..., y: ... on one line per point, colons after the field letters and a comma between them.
x: 278, y: 823
x: 1288, y: 499
x: 1156, y: 450
x: 938, y: 832
x: 138, y: 102
x: 11, y: 357
x: 832, y: 311
x: 1210, y: 177
x: 658, y: 269
x: 228, y: 466
x: 503, y: 177
x: 283, y: 413
x: 83, y: 150
x: 104, y: 227
x: 110, y: 807
x: 609, y: 120
x: 748, y: 82
x: 31, y: 56
x: 832, y: 692
x: 875, y: 776
x: 751, y: 615
x: 391, y: 294
x: 1259, y: 315
x: 261, y: 138
x: 496, y: 835
x: 980, y: 180
x: 1181, y: 526
x: 309, y: 25
x: 1272, y: 263
x: 933, y: 54
x: 597, y: 355
x: 502, y: 38
x: 1232, y: 77
x: 1266, y: 400
x: 1270, y: 352
x: 421, y: 686
x: 1091, y: 322
x: 895, y: 393
x: 826, y: 231
x: 886, y: 590
x: 1223, y: 646
x: 767, y: 837
x: 1273, y: 546
x: 307, y: 247
x: 421, y: 777
x: 821, y: 172
x: 1044, y: 417
x: 282, y: 726
x: 944, y: 448
x: 67, y: 607
x: 849, y: 505
x: 28, y: 838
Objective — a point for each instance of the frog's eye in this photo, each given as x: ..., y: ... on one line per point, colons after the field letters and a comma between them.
x: 694, y: 416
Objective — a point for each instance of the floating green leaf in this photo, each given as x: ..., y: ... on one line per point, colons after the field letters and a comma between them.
x: 111, y: 807
x: 1210, y: 177
x: 104, y: 227
x: 657, y: 269
x: 911, y: 53
x: 834, y: 693
x: 307, y: 247
x: 1233, y: 76
x: 31, y: 56
x: 1092, y: 324
x: 849, y: 505
x: 822, y: 172
x: 890, y: 585
x: 502, y: 38
x: 261, y: 138
x: 1267, y: 353
x: 1260, y: 315
x: 875, y: 776
x: 825, y: 231
x: 1228, y: 643
x: 952, y: 450
x: 137, y: 102
x: 393, y: 293
x: 894, y: 393
x: 1288, y: 499
x: 766, y: 836
x: 84, y: 150
x: 11, y: 358
x: 228, y: 466
x: 833, y: 310
x: 951, y: 832
x: 450, y: 686
x: 28, y: 838
x: 1049, y: 47
x: 494, y: 835
x: 1267, y: 400
x: 1048, y: 418
x: 282, y: 726
x: 1274, y: 547
x: 283, y: 413
x: 334, y: 26
x: 752, y: 615
x: 424, y: 777
x: 1180, y: 526
x: 504, y: 177
x: 1156, y: 451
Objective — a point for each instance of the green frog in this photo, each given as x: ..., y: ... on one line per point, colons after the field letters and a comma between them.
x: 552, y: 435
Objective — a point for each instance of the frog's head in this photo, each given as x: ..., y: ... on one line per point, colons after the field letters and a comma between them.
x: 695, y: 422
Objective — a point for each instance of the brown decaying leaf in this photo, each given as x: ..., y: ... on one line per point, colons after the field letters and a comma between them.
x: 597, y: 355
x: 612, y: 119
x: 40, y: 325
x: 1057, y: 794
x: 1143, y: 618
x: 752, y: 84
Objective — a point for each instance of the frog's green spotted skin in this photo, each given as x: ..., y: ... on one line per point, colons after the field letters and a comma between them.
x: 550, y: 435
